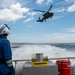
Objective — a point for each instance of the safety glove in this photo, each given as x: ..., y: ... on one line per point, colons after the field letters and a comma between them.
x: 10, y: 65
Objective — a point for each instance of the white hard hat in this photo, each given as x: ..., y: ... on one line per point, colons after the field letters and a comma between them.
x: 4, y: 29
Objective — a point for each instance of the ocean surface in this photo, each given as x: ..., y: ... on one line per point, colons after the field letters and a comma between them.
x: 55, y: 50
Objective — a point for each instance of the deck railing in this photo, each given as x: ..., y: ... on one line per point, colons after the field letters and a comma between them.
x: 28, y: 60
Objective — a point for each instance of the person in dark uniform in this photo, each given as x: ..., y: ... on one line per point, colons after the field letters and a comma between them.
x: 6, y: 63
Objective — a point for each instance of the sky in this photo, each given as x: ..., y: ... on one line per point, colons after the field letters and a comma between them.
x: 24, y: 28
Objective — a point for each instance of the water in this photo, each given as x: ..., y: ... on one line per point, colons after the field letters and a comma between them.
x: 27, y: 51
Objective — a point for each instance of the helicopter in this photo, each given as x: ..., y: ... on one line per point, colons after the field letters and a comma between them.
x: 46, y: 15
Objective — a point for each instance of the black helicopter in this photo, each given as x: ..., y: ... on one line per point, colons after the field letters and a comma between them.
x: 46, y: 15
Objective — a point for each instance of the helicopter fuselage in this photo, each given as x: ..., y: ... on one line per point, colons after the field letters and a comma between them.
x: 47, y: 15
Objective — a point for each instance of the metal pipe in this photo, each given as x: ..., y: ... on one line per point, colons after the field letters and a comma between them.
x: 48, y: 59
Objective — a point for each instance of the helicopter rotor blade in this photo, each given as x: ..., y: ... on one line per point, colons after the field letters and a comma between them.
x: 39, y: 10
x: 50, y: 7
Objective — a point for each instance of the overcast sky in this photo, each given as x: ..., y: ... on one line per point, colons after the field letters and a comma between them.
x: 21, y: 18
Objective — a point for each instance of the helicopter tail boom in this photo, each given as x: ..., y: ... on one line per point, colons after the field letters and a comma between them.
x: 39, y: 20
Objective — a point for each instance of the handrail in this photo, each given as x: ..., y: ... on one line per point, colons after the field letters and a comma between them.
x: 62, y: 58
x: 48, y: 59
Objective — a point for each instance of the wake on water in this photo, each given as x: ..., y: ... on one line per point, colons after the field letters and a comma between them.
x: 27, y: 51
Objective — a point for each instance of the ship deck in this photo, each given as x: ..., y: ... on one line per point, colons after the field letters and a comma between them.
x: 19, y: 64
